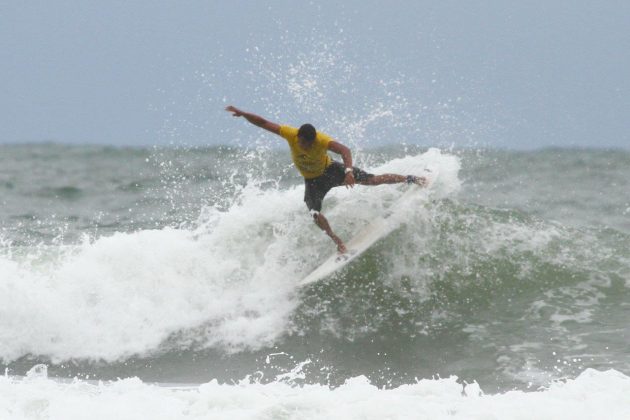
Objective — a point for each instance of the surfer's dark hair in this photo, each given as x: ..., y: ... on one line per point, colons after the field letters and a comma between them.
x: 307, y: 132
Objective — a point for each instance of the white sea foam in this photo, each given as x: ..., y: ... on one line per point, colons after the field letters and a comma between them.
x: 229, y: 283
x: 592, y: 395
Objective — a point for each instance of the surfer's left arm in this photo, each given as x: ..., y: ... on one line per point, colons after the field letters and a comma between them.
x: 346, y: 155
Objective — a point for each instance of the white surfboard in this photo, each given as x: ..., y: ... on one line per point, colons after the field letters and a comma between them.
x: 355, y: 247
x: 363, y: 240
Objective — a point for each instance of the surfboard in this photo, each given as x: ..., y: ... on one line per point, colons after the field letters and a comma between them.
x: 355, y: 247
x: 363, y: 240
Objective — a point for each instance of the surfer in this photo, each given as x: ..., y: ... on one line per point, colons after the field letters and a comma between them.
x: 309, y: 149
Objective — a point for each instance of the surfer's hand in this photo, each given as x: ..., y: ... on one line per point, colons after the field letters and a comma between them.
x: 349, y: 180
x: 235, y: 111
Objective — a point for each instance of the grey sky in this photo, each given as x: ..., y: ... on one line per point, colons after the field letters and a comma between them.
x: 515, y: 74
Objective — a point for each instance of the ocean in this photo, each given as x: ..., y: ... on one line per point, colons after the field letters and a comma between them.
x: 161, y: 283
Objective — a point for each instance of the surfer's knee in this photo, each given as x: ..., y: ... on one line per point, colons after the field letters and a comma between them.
x: 315, y: 214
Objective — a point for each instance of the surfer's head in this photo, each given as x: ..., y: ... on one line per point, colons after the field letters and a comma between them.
x: 306, y: 133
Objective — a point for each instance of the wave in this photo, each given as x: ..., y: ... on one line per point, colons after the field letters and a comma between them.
x: 67, y: 192
x: 593, y: 394
x: 229, y: 282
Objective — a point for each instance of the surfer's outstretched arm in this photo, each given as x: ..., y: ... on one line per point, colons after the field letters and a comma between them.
x: 323, y: 224
x: 255, y: 119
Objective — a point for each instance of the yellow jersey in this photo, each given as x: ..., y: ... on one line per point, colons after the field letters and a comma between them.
x: 312, y: 162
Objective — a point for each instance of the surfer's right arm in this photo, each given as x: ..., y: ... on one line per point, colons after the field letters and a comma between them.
x: 255, y: 119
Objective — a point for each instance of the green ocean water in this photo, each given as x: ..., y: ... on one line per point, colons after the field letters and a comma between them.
x: 176, y: 265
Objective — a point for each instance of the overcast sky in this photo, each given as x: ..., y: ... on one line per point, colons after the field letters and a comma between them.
x: 515, y: 74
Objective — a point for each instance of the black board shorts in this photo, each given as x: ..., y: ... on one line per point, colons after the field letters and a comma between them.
x: 315, y: 189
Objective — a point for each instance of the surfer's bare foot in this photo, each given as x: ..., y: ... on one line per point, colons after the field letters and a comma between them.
x: 340, y: 246
x: 418, y: 180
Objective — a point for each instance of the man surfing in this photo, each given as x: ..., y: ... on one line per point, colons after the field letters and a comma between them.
x: 309, y: 149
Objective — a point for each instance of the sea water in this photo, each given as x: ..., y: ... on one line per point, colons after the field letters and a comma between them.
x: 162, y: 283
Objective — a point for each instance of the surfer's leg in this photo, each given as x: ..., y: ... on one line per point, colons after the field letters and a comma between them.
x: 314, y: 192
x: 323, y: 224
x: 383, y: 179
x: 391, y: 179
x: 364, y: 178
